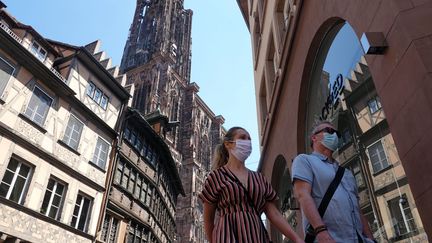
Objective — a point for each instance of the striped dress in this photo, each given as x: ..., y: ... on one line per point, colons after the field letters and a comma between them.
x: 237, y: 221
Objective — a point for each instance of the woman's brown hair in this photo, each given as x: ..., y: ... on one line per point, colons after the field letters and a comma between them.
x: 221, y: 155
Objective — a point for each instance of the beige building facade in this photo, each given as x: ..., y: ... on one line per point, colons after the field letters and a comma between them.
x: 59, y: 108
x: 310, y: 61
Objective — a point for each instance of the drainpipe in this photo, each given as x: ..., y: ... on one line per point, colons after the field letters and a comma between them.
x: 367, y: 174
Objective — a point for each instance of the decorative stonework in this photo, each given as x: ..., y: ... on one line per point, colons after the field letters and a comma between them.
x: 23, y: 226
x: 29, y: 131
x: 73, y: 160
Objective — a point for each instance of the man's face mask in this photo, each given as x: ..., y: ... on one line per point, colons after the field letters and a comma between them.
x: 330, y: 141
x: 242, y: 149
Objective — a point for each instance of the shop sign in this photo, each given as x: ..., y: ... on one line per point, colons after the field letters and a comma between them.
x: 332, y: 101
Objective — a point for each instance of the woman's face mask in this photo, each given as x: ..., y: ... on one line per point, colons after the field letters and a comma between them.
x: 242, y: 149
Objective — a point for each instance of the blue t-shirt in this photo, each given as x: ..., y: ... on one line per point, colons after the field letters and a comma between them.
x: 342, y: 216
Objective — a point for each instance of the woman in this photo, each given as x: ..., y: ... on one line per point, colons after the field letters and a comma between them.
x: 239, y: 196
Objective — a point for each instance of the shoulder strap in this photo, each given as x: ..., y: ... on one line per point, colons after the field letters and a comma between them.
x: 250, y: 201
x: 326, y: 200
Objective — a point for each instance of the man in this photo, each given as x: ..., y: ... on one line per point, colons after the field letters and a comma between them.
x: 312, y: 174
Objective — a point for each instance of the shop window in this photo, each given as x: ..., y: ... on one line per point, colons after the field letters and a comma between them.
x: 378, y: 157
x: 15, y: 181
x: 401, y: 217
x: 81, y: 213
x: 38, y: 106
x: 109, y: 229
x: 73, y: 132
x: 6, y: 72
x: 101, y: 153
x: 38, y: 51
x: 53, y: 199
x: 374, y: 105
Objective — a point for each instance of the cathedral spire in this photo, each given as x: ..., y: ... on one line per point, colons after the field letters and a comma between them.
x: 160, y: 28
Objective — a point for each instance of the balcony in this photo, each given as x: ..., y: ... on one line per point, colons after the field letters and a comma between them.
x: 4, y: 27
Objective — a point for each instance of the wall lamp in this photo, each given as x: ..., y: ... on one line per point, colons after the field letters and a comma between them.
x: 373, y: 43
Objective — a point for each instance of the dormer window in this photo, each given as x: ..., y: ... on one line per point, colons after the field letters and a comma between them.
x: 38, y: 51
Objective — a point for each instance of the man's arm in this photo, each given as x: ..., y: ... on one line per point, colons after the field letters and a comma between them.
x: 302, y: 191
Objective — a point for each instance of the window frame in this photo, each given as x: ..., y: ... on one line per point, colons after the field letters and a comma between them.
x: 31, y: 118
x: 96, y: 162
x: 377, y: 103
x: 70, y: 137
x: 102, y: 100
x: 53, y: 193
x: 79, y: 216
x: 385, y: 153
x: 12, y: 184
x: 37, y: 51
x: 2, y: 90
x: 107, y: 231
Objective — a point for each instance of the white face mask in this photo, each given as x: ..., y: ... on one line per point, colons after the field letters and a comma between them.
x: 242, y: 149
x: 330, y: 141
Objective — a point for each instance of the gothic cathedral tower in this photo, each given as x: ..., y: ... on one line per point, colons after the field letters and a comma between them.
x: 157, y: 60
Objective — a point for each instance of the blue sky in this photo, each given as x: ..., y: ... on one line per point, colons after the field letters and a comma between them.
x: 221, y: 51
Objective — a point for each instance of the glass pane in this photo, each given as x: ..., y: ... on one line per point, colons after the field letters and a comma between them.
x: 24, y: 170
x: 59, y: 189
x: 4, y: 188
x: 98, y: 95
x: 53, y: 212
x: 45, y: 202
x: 13, y: 165
x: 8, y: 177
x: 104, y: 102
x: 56, y: 200
x: 17, y: 189
x: 90, y: 89
x: 5, y: 73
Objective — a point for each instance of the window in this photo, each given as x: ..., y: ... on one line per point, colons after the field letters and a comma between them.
x: 355, y: 168
x: 101, y: 153
x: 104, y: 102
x: 138, y: 234
x: 402, y: 218
x: 53, y: 199
x: 374, y: 105
x: 81, y: 212
x: 6, y: 71
x: 38, y: 106
x: 378, y: 157
x: 109, y: 229
x: 15, y: 181
x: 97, y: 95
x: 38, y: 51
x: 73, y: 132
x: 90, y: 89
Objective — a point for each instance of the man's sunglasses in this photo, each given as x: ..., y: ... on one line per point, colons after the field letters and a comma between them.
x: 328, y: 130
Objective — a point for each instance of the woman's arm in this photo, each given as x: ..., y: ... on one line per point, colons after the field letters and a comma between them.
x: 209, y: 215
x: 276, y: 218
